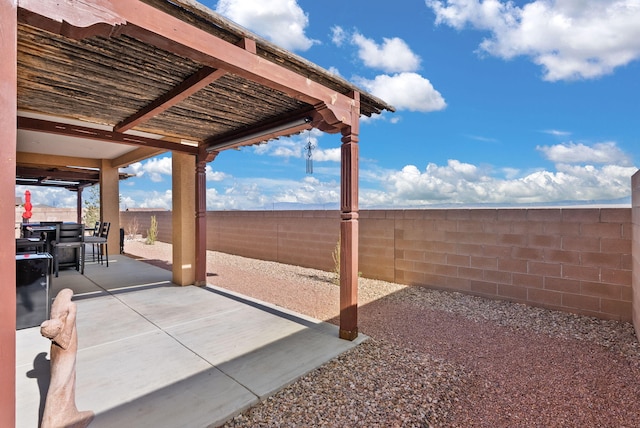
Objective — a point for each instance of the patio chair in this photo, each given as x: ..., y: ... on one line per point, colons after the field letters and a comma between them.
x: 94, y: 234
x: 69, y: 236
x: 101, y: 241
x: 96, y: 229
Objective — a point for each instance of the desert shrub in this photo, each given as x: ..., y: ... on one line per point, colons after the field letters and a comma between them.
x: 132, y: 228
x: 152, y: 232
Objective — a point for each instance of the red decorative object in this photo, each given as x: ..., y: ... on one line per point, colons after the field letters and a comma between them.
x: 26, y: 215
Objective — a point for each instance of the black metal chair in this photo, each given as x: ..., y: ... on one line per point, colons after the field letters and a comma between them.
x: 96, y: 229
x: 69, y: 236
x: 94, y: 234
x: 101, y: 241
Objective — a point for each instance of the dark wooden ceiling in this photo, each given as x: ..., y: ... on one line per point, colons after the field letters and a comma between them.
x: 68, y: 178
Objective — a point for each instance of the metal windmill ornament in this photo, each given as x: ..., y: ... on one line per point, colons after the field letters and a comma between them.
x: 309, y: 148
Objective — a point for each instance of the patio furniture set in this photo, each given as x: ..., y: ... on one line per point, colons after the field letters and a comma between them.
x: 41, y: 251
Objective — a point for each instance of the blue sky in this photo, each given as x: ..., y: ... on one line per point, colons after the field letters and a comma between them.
x: 499, y: 103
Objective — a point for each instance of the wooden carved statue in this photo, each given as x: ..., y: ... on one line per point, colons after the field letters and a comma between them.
x: 60, y: 408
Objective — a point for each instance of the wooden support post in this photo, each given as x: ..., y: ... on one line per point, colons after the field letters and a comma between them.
x: 349, y: 227
x: 183, y: 218
x: 8, y: 134
x: 201, y: 216
x: 110, y: 203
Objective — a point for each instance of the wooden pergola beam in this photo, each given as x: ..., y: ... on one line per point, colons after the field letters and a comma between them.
x: 293, y: 123
x: 192, y: 84
x: 56, y: 174
x: 68, y: 130
x: 137, y: 155
x: 27, y: 159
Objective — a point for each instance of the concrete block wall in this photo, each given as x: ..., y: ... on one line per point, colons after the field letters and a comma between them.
x: 303, y: 238
x: 44, y: 213
x: 635, y: 214
x: 143, y: 218
x: 577, y: 260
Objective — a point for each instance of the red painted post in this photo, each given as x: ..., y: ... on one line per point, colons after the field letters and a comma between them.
x: 8, y: 126
x: 201, y: 216
x: 349, y: 227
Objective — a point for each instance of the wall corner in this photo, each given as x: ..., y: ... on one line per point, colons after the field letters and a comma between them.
x: 635, y: 251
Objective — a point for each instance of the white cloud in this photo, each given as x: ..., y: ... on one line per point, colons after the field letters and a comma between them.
x: 262, y: 193
x: 405, y: 91
x: 483, y: 139
x: 51, y: 196
x: 569, y: 39
x: 599, y: 153
x: 599, y: 172
x: 392, y: 56
x: 338, y: 35
x: 334, y: 71
x: 581, y: 173
x: 460, y: 183
x: 281, y: 21
x: 557, y: 132
x: 157, y: 167
x: 283, y: 148
x: 327, y: 155
x: 511, y: 173
x: 309, y: 191
x: 154, y: 199
x: 295, y: 147
x: 214, y: 175
x: 134, y: 198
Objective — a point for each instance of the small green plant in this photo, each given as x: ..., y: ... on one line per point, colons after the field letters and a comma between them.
x: 152, y: 232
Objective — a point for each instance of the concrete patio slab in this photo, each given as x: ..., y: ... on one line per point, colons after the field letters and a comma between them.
x: 205, y: 399
x: 154, y: 354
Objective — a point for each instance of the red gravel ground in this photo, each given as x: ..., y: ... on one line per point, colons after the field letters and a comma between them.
x: 518, y: 377
x: 521, y: 379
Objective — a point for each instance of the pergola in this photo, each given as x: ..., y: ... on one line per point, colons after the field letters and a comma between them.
x: 70, y: 178
x: 95, y: 85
